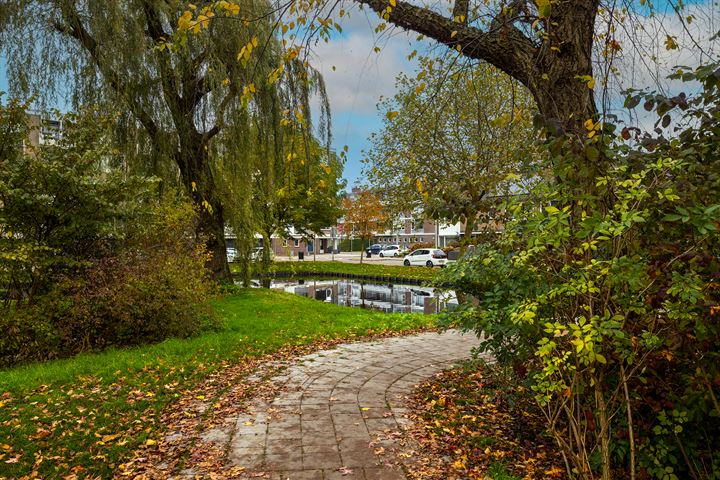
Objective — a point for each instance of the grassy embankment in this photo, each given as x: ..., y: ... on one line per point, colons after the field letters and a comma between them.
x: 367, y: 269
x: 86, y: 414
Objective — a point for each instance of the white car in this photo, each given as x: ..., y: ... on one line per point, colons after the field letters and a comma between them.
x: 390, y: 251
x: 429, y: 257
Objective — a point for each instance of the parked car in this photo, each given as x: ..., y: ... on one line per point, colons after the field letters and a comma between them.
x: 374, y: 249
x: 426, y: 256
x: 390, y: 251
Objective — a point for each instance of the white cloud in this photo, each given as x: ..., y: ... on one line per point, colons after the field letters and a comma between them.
x: 361, y: 75
x: 645, y: 61
x: 360, y: 78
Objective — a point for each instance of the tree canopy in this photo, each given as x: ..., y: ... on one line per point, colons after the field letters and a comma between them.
x: 454, y: 138
x: 229, y: 91
x: 363, y: 215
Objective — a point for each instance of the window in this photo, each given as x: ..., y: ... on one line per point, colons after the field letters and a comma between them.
x: 285, y: 243
x: 297, y: 243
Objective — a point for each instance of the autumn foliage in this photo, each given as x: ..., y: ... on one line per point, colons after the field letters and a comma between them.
x: 364, y: 215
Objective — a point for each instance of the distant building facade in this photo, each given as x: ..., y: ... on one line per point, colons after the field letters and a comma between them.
x: 42, y: 131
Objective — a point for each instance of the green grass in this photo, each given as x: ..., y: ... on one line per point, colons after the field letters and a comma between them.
x: 497, y: 471
x: 54, y: 415
x: 370, y: 269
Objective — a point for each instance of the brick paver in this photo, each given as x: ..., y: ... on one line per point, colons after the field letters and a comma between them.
x: 338, y: 406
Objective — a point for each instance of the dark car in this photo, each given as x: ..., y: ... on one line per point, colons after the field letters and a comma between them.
x: 374, y: 249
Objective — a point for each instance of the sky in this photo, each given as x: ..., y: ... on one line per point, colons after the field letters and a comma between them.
x: 362, y: 76
x: 3, y: 76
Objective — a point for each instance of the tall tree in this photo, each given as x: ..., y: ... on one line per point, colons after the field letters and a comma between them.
x: 302, y: 191
x: 546, y: 45
x: 180, y: 92
x: 364, y: 216
x: 454, y: 138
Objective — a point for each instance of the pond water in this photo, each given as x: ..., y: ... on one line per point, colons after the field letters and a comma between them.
x: 385, y: 297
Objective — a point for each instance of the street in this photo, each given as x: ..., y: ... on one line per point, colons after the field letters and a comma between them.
x: 345, y: 257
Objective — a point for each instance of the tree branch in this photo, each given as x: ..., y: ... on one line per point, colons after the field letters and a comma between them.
x: 73, y: 27
x: 168, y: 80
x: 505, y: 46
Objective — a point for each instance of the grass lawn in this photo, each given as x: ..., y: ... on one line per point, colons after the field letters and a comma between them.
x: 84, y: 415
x: 371, y: 269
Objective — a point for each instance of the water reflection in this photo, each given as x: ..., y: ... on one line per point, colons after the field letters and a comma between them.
x: 383, y: 297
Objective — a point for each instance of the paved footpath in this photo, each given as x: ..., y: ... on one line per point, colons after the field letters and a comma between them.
x: 338, y: 406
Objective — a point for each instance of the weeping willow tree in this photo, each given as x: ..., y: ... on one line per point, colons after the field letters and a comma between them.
x: 199, y: 110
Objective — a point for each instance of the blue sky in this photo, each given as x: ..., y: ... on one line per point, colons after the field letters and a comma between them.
x: 361, y: 76
x: 3, y: 76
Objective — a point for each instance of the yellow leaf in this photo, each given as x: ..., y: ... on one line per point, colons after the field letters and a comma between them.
x: 391, y: 115
x: 543, y: 7
x: 150, y: 442
x: 393, y: 3
x: 670, y: 43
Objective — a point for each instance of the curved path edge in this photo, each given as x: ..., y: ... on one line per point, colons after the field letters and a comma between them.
x: 339, y: 410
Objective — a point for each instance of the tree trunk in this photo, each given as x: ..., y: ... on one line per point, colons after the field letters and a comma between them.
x: 211, y: 230
x: 470, y: 222
x: 604, y: 432
x: 193, y: 162
x: 266, y: 255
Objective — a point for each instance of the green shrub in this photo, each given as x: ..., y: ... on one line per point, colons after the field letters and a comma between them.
x: 90, y: 257
x: 607, y: 289
x: 28, y: 334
